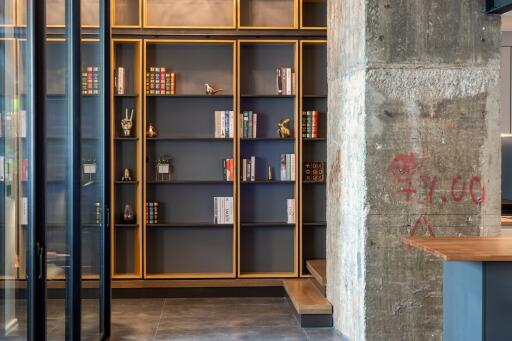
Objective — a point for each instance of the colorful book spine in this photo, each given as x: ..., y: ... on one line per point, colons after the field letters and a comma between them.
x: 288, y: 165
x: 228, y: 169
x: 159, y: 81
x: 152, y: 208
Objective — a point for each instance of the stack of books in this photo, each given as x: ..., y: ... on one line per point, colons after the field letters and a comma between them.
x: 287, y: 167
x: 90, y: 81
x: 310, y: 124
x: 249, y: 124
x: 290, y: 211
x: 314, y: 171
x: 249, y: 169
x: 224, y: 124
x: 228, y: 166
x: 160, y: 82
x: 152, y: 212
x: 285, y: 80
x: 120, y: 81
x: 223, y: 210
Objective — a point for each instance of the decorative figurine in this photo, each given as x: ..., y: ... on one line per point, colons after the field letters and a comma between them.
x: 210, y: 90
x: 269, y: 174
x: 127, y: 123
x: 128, y: 216
x: 127, y: 175
x: 283, y: 129
x: 164, y: 168
x: 151, y: 131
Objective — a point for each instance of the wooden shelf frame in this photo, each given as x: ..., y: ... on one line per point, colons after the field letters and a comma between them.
x: 234, y: 184
x: 302, y: 140
x: 139, y: 131
x: 295, y: 19
x: 301, y: 14
x: 295, y: 272
x: 220, y: 27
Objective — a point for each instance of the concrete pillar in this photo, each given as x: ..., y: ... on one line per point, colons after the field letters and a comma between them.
x: 413, y: 149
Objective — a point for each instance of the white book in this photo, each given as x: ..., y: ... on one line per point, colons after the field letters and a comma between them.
x: 293, y: 83
x: 288, y: 81
x: 292, y: 167
x: 222, y: 124
x: 244, y: 170
x: 24, y: 211
x: 290, y: 211
x: 254, y: 124
x: 2, y: 173
x: 230, y: 211
x: 231, y: 124
x: 121, y: 80
x: 217, y: 124
x: 226, y: 210
x: 22, y: 121
x: 253, y: 168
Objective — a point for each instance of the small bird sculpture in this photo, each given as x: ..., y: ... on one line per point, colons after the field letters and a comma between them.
x: 210, y: 90
x: 151, y: 132
x: 284, y: 130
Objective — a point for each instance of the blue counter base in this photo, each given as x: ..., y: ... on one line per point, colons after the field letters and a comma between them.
x: 477, y: 301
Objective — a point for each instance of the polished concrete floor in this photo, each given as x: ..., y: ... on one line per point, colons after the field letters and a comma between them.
x: 198, y: 319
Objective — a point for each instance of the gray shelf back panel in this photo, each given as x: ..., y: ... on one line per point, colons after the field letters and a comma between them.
x: 125, y: 158
x: 258, y: 64
x: 189, y: 250
x: 314, y: 69
x: 186, y: 117
x: 55, y: 61
x: 91, y: 250
x: 313, y: 245
x: 314, y: 13
x: 187, y: 203
x: 125, y: 195
x: 190, y: 12
x: 314, y: 150
x: 267, y: 249
x: 267, y: 153
x: 56, y: 12
x: 265, y: 202
x: 192, y: 160
x: 126, y: 12
x: 267, y: 13
x: 124, y: 239
x: 125, y: 54
x: 313, y: 202
x: 195, y: 65
x: 270, y: 111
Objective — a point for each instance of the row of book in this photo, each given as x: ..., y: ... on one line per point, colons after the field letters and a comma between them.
x: 159, y: 81
x: 310, y: 124
x: 228, y: 169
x: 248, y: 169
x: 287, y: 167
x: 223, y: 210
x: 224, y: 124
x: 120, y: 81
x: 90, y: 80
x: 152, y: 212
x: 249, y: 124
x: 285, y: 80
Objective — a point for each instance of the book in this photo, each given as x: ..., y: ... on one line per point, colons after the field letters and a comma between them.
x: 288, y: 168
x: 231, y: 124
x: 254, y: 124
x: 253, y: 168
x: 279, y: 80
x: 223, y: 210
x: 24, y: 211
x: 120, y: 80
x: 292, y: 167
x: 288, y: 81
x: 290, y: 211
x: 283, y: 167
x: 2, y: 169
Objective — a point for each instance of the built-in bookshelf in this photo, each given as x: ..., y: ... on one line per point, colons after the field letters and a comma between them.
x: 267, y: 240
x: 264, y: 14
x: 187, y: 241
x: 313, y: 145
x: 127, y: 158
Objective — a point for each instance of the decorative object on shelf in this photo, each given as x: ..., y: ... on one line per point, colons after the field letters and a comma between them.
x: 128, y: 216
x: 127, y: 175
x: 127, y: 123
x: 210, y: 90
x: 151, y: 132
x: 97, y: 207
x: 314, y: 171
x: 88, y: 170
x: 269, y: 174
x: 283, y: 129
x: 164, y: 168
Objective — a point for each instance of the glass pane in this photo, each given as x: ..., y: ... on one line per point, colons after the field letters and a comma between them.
x: 14, y: 181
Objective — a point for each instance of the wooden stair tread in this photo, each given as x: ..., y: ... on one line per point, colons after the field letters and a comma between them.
x: 317, y: 268
x: 306, y: 298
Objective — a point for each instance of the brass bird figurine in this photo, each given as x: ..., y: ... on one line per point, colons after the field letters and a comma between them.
x: 283, y: 130
x: 210, y: 90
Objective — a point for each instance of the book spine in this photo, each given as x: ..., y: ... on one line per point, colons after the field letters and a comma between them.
x: 254, y: 124
x: 279, y: 81
x: 283, y: 167
x: 246, y: 125
x: 230, y: 212
x: 157, y: 81
x: 290, y: 211
x: 224, y: 169
x: 215, y: 208
x: 253, y: 168
x: 162, y: 80
x: 226, y: 126
x: 288, y: 81
x: 120, y: 81
x: 315, y: 124
x: 24, y: 211
x: 231, y: 124
x: 288, y: 171
x: 283, y: 80
x: 294, y: 82
x: 292, y: 167
x: 244, y: 170
x: 249, y: 123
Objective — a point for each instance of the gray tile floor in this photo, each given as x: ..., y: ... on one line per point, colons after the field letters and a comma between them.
x: 208, y: 319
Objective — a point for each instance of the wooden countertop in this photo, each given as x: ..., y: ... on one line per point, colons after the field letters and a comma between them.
x: 477, y: 249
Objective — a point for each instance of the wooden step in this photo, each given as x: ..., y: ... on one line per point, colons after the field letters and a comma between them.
x: 310, y: 306
x: 316, y: 268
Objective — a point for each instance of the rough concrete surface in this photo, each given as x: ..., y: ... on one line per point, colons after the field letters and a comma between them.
x: 413, y: 149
